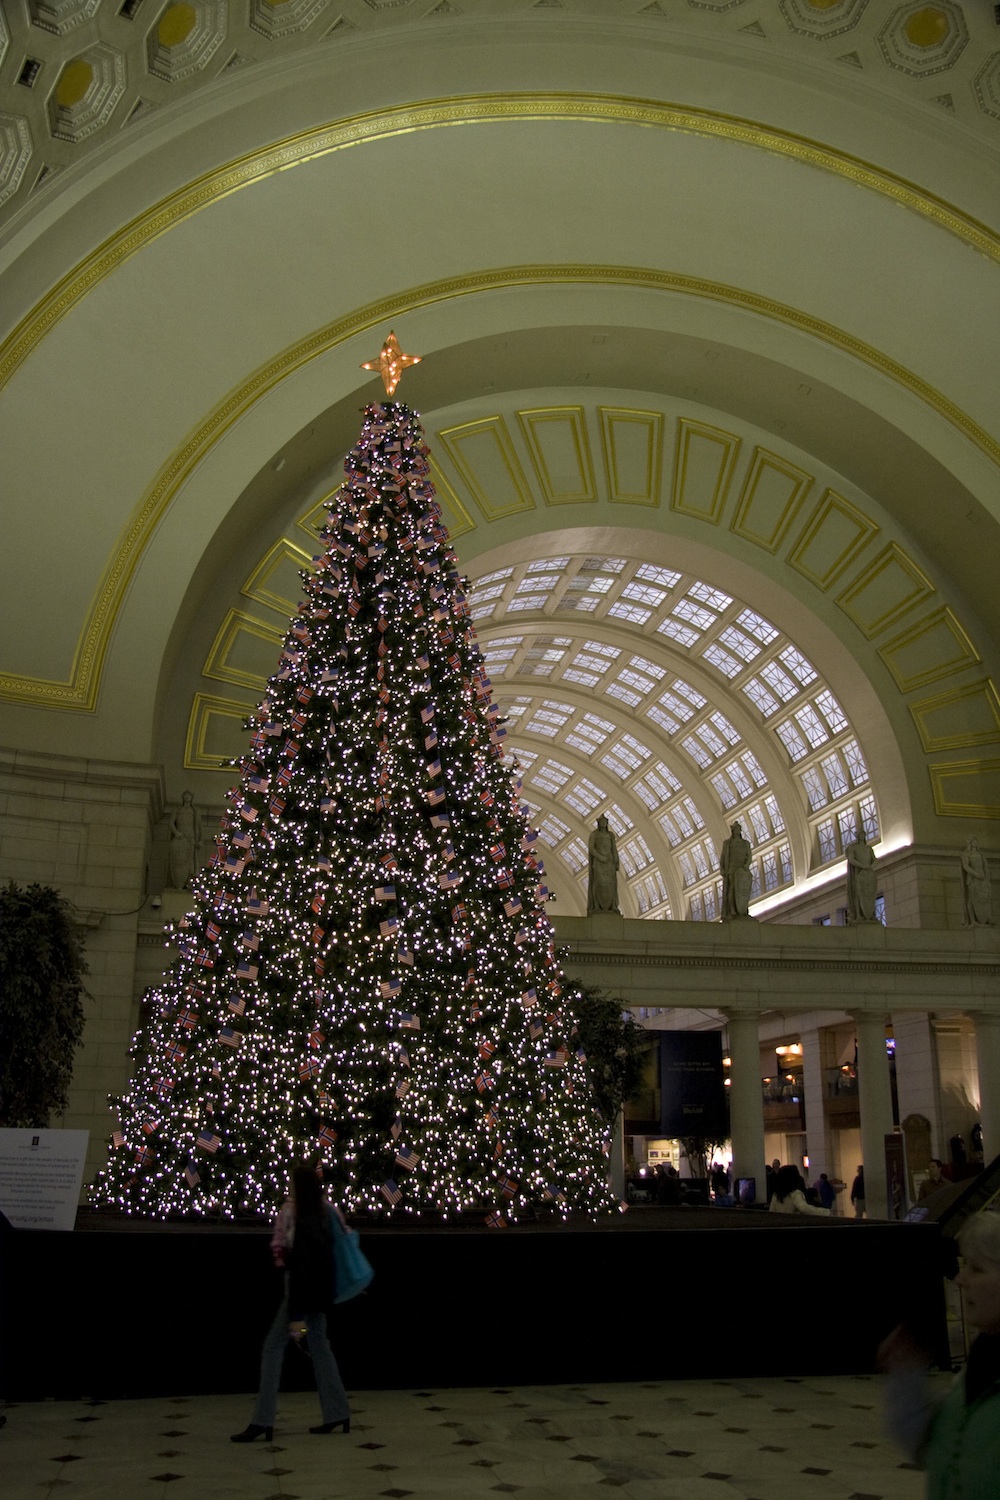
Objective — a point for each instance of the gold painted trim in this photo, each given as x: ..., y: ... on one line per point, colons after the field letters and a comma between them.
x: 654, y: 423
x: 470, y: 109
x: 217, y: 666
x: 831, y: 503
x: 454, y: 441
x: 256, y: 586
x: 535, y: 422
x: 456, y: 517
x: 954, y: 771
x: 800, y: 484
x: 892, y: 560
x: 203, y: 706
x: 966, y: 654
x: 315, y: 518
x: 984, y: 691
x: 730, y: 445
x: 80, y: 690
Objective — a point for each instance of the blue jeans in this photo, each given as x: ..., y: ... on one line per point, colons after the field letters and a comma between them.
x: 332, y: 1397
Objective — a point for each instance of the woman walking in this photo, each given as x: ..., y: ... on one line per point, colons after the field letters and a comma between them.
x: 302, y: 1246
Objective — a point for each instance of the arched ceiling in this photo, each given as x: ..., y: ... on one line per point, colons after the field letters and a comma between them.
x: 76, y: 74
x: 736, y: 352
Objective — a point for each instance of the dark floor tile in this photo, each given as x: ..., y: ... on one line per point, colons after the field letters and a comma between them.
x: 811, y: 1470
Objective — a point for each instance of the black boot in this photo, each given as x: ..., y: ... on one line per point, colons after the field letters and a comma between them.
x: 345, y: 1423
x: 253, y: 1431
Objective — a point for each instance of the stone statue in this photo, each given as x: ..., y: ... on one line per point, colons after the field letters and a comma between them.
x: 737, y: 877
x: 862, y: 881
x: 185, y: 841
x: 602, y: 887
x: 976, y: 891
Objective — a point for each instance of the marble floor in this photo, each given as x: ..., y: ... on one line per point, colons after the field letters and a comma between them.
x: 816, y: 1438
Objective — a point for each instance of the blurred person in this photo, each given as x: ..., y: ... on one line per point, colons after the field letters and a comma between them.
x: 955, y: 1438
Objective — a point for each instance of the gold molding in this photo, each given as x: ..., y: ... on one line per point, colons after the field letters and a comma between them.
x: 538, y: 420
x: 892, y: 560
x: 613, y: 417
x: 470, y: 109
x: 954, y: 773
x: 217, y: 665
x: 257, y: 586
x: 982, y: 694
x: 944, y: 622
x: 457, y: 441
x: 80, y: 689
x: 762, y: 461
x: 832, y: 505
x: 203, y: 707
x: 729, y: 445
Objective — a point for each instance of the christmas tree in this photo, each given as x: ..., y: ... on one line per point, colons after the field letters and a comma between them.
x: 368, y: 975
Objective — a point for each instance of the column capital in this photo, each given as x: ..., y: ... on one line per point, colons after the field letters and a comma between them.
x: 734, y: 1013
x: 876, y: 1013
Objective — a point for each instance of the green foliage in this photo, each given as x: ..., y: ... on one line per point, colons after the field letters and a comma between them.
x: 614, y: 1042
x: 41, y: 1007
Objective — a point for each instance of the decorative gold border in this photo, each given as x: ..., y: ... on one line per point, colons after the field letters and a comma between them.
x: 983, y: 691
x: 952, y: 772
x: 730, y: 443
x: 79, y: 691
x: 453, y: 439
x: 625, y: 416
x: 471, y: 109
x: 800, y: 484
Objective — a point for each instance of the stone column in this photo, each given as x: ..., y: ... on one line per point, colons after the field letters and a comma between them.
x: 746, y: 1110
x: 875, y: 1103
x: 988, y: 1060
x: 814, y: 1089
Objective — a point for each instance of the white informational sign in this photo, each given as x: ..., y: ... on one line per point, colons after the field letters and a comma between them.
x: 40, y: 1176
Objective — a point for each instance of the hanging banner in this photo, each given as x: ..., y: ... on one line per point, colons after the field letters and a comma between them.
x: 692, y: 1091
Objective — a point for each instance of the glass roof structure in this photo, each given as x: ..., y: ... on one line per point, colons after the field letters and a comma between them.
x: 675, y: 709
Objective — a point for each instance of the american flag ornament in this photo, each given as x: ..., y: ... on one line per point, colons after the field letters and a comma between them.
x: 246, y: 970
x: 391, y: 1192
x: 229, y: 1037
x: 407, y: 1157
x: 409, y: 1022
x: 191, y: 1175
x: 389, y: 927
x: 390, y: 987
x: 207, y: 1141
